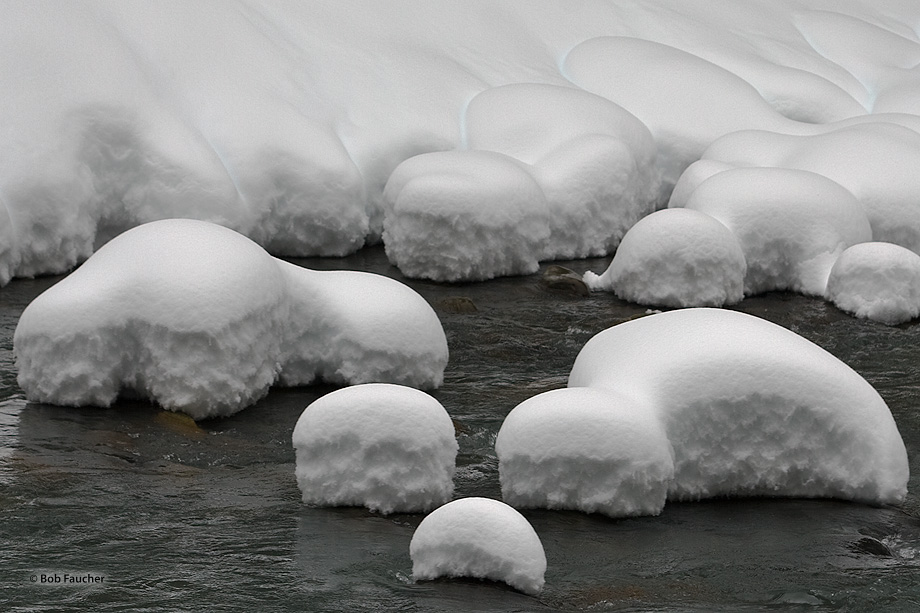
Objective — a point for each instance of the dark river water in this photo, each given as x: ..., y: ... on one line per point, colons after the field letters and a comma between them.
x: 169, y: 516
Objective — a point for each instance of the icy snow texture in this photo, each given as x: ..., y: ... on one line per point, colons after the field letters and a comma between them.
x: 481, y: 538
x: 878, y: 281
x: 791, y: 224
x: 676, y: 258
x: 587, y: 449
x: 202, y: 320
x: 387, y: 447
x: 284, y: 119
x: 750, y: 408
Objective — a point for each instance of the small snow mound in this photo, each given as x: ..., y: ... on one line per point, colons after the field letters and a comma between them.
x: 792, y: 224
x: 751, y: 408
x: 387, y: 447
x: 481, y: 538
x: 584, y: 449
x: 878, y: 281
x: 464, y: 215
x: 676, y: 258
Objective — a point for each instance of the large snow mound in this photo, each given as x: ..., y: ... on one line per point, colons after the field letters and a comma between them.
x: 481, y: 538
x: 587, y: 449
x: 387, y: 447
x: 676, y: 258
x: 750, y: 408
x: 202, y: 320
x: 283, y: 120
x: 878, y: 281
x: 792, y: 225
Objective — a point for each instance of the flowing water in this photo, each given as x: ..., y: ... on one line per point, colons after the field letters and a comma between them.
x: 162, y: 514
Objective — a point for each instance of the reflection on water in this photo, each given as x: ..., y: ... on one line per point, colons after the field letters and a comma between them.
x: 179, y: 516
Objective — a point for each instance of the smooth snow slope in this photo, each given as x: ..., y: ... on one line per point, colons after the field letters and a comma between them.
x: 283, y: 120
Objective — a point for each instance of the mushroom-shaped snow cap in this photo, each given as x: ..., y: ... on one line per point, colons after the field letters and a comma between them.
x: 482, y: 538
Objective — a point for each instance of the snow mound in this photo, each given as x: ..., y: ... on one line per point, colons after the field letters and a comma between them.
x: 875, y: 161
x: 551, y: 172
x: 878, y: 281
x: 387, y: 447
x: 792, y: 224
x: 686, y: 101
x: 594, y: 160
x: 202, y: 320
x: 676, y: 258
x: 464, y: 215
x: 750, y: 408
x: 481, y: 538
x: 586, y: 449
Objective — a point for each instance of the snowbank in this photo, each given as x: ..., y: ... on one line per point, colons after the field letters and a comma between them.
x: 482, y: 538
x: 676, y: 258
x: 750, y: 408
x: 878, y: 281
x: 586, y: 449
x: 284, y: 120
x: 202, y: 320
x: 387, y: 447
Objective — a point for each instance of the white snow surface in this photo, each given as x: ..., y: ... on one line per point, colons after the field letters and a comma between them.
x: 387, y: 447
x: 592, y: 450
x: 676, y: 258
x: 200, y: 319
x: 750, y: 408
x: 878, y: 281
x: 283, y: 120
x: 792, y: 225
x: 480, y: 538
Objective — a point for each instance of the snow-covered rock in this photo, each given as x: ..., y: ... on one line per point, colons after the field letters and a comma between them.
x: 464, y: 215
x: 676, y: 258
x: 592, y: 450
x: 481, y: 538
x: 792, y: 225
x: 750, y: 408
x: 878, y: 281
x: 875, y: 161
x: 387, y: 447
x: 200, y: 319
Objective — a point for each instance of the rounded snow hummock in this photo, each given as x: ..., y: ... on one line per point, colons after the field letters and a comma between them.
x: 464, y: 215
x: 387, y: 447
x: 481, y: 538
x: 878, y: 281
x: 676, y: 258
x: 751, y: 408
x: 592, y: 450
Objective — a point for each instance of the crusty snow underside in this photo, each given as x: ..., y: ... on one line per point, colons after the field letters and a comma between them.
x: 284, y: 120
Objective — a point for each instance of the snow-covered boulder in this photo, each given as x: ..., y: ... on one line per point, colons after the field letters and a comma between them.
x: 481, y: 538
x: 676, y: 258
x: 200, y: 319
x: 878, y: 281
x: 595, y: 161
x: 751, y: 408
x: 875, y: 161
x: 792, y: 224
x: 593, y: 450
x: 387, y: 447
x: 464, y: 215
